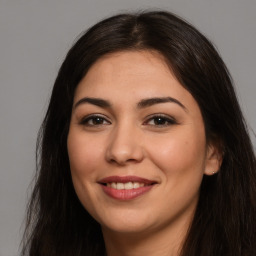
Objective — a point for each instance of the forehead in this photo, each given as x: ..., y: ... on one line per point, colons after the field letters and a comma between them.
x: 126, y: 78
x: 128, y: 71
x: 143, y: 61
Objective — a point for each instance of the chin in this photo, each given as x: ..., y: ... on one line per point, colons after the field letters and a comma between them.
x: 128, y: 228
x: 127, y: 223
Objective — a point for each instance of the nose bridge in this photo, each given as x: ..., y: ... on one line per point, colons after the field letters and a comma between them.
x: 125, y: 144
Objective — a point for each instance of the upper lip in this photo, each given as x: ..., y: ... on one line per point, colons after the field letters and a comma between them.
x: 125, y: 179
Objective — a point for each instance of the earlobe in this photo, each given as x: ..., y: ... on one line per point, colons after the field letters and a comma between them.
x: 210, y: 173
x: 214, y: 157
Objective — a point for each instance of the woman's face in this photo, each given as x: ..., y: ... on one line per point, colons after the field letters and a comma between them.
x: 136, y: 144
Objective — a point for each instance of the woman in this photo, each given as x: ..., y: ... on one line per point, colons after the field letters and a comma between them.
x: 144, y: 149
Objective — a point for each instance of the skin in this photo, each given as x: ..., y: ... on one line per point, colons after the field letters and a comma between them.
x: 129, y: 140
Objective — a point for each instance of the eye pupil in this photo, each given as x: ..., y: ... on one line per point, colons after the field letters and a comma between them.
x: 97, y: 120
x: 159, y: 121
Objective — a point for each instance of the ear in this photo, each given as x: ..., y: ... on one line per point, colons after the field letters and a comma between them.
x: 214, y: 157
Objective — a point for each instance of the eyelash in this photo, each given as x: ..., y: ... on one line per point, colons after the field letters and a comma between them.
x: 164, y: 120
x: 85, y: 121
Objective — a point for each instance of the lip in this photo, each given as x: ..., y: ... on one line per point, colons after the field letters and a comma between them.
x: 126, y: 194
x: 124, y: 179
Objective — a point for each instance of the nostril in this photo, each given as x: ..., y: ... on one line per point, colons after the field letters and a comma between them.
x: 122, y: 152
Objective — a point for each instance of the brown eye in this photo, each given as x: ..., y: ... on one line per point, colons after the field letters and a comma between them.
x: 160, y: 120
x: 94, y: 120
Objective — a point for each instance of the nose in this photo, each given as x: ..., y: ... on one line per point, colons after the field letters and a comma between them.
x: 125, y: 146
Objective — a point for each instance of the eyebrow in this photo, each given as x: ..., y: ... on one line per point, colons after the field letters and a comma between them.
x: 152, y: 101
x: 144, y: 103
x: 94, y: 101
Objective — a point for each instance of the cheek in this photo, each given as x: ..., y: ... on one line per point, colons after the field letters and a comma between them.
x: 83, y: 154
x: 180, y: 153
x: 84, y: 162
x: 181, y: 163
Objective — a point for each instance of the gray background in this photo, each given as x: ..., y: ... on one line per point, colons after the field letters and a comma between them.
x: 34, y: 38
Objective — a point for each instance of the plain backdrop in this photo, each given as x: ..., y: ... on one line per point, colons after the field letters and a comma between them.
x: 35, y: 35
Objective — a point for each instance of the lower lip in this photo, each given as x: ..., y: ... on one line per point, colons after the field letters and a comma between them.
x: 125, y: 194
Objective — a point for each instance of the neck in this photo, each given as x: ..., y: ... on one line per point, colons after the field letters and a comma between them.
x: 166, y: 241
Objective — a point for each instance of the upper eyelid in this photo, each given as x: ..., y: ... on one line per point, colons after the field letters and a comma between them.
x: 95, y: 115
x: 87, y: 117
x: 167, y: 118
x: 160, y: 115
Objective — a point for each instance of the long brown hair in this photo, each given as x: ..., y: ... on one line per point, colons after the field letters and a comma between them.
x: 225, y: 219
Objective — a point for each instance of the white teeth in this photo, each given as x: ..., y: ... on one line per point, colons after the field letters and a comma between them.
x: 136, y: 185
x: 127, y: 185
x: 113, y: 185
x: 120, y: 185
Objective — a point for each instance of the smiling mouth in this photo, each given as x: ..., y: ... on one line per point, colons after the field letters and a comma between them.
x: 126, y: 188
x: 126, y: 182
x: 127, y: 185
